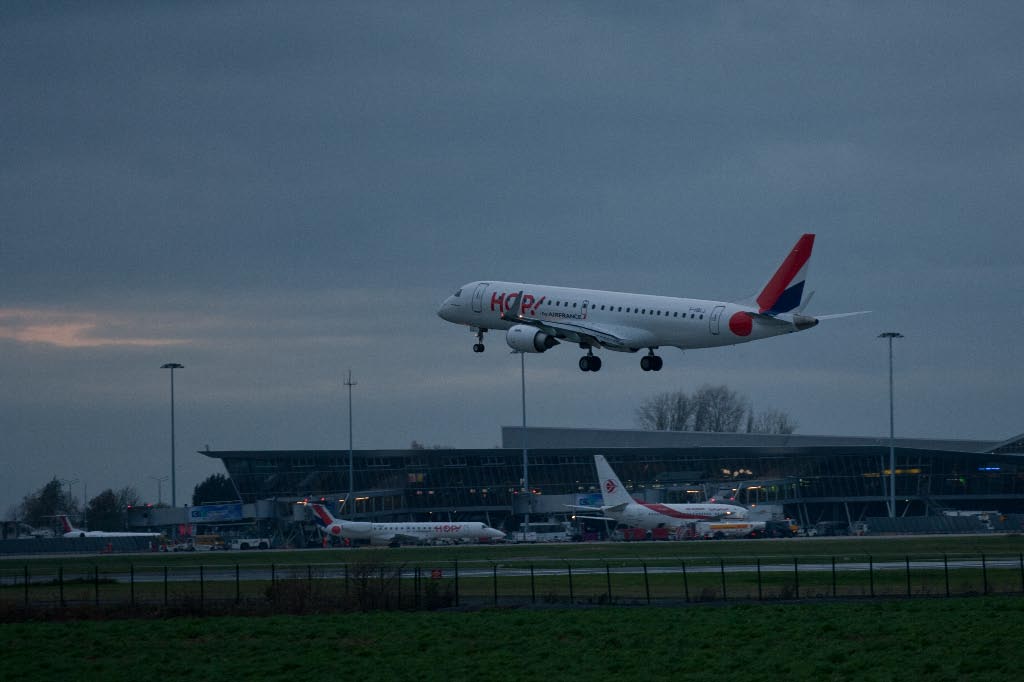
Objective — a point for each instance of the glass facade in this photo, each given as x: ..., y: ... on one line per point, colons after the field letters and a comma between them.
x: 828, y: 483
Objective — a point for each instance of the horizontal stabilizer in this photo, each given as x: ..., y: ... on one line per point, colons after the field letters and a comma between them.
x: 836, y: 316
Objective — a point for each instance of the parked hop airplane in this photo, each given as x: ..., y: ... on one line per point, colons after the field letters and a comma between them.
x: 72, y: 532
x: 409, y: 531
x: 539, y: 317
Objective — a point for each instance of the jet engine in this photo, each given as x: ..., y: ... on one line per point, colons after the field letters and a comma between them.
x: 527, y: 339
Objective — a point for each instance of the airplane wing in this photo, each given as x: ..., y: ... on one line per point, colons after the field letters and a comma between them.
x: 596, y: 518
x: 611, y: 337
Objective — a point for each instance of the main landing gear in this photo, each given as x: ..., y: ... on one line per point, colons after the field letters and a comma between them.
x: 478, y: 347
x: 590, y: 362
x: 650, y: 362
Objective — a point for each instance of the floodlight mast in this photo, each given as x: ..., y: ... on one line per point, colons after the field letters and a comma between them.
x: 892, y: 438
x: 174, y: 481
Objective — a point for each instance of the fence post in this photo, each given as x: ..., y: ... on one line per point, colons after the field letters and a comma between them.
x: 686, y: 585
x: 202, y: 589
x: 721, y: 563
x: 1021, y: 572
x: 165, y: 586
x: 96, y: 584
x: 907, y: 559
x: 945, y: 570
x: 60, y: 580
x: 647, y: 582
x: 26, y: 580
x: 796, y: 577
x: 456, y: 582
x: 871, y: 574
x: 759, y: 595
x: 833, y: 577
x: 533, y: 587
x: 608, y: 579
x: 238, y: 585
x: 346, y: 582
x: 494, y: 581
x: 572, y: 598
x: 984, y: 573
x: 131, y: 582
x: 416, y: 588
x: 401, y: 569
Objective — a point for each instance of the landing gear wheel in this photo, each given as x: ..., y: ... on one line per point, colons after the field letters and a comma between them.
x: 651, y: 363
x: 590, y: 363
x: 478, y: 348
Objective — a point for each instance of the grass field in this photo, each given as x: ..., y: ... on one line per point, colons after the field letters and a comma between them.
x: 934, y: 639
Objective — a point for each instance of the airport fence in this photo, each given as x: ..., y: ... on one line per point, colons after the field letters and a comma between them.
x: 289, y: 588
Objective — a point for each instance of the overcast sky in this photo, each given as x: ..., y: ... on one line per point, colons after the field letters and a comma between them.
x: 272, y: 193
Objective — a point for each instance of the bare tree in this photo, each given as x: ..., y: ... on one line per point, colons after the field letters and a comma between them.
x: 770, y: 421
x: 718, y: 409
x: 671, y: 411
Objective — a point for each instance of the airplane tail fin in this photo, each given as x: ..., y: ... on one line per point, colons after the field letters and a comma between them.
x: 785, y: 289
x: 613, y: 493
x: 65, y: 524
x: 321, y: 516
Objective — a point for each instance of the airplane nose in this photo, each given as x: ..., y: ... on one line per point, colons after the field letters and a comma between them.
x: 446, y: 309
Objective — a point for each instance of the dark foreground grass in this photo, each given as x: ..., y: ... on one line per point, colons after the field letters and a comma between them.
x: 942, y: 639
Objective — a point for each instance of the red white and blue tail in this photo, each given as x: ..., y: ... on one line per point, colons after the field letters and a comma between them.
x: 785, y: 290
x: 321, y: 517
x: 65, y: 523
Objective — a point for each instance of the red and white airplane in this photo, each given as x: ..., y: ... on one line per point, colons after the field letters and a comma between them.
x: 72, y: 532
x: 619, y: 506
x: 538, y: 317
x: 412, y: 531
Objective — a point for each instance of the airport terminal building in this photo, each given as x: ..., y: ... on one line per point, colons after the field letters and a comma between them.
x: 808, y: 478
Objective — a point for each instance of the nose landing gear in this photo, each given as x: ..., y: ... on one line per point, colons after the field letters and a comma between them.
x: 478, y: 347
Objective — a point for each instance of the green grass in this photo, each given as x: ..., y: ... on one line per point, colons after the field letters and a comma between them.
x: 947, y: 639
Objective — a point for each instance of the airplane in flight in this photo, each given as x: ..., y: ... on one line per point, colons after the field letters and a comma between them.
x: 619, y: 506
x: 409, y: 531
x: 72, y: 532
x: 539, y: 317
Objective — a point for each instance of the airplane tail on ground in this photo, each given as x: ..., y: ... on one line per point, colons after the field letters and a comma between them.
x: 613, y: 493
x: 65, y: 523
x: 785, y: 289
x: 322, y: 517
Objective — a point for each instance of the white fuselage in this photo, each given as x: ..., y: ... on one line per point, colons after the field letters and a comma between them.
x: 419, y: 531
x: 650, y: 516
x: 640, y: 320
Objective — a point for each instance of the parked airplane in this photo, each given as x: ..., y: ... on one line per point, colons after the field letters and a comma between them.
x: 618, y: 505
x: 539, y: 317
x: 410, y: 531
x: 72, y: 532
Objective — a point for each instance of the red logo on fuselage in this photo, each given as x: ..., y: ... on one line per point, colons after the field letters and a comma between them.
x: 610, y: 486
x: 503, y: 303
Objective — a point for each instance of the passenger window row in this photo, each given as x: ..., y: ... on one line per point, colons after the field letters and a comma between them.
x: 638, y: 311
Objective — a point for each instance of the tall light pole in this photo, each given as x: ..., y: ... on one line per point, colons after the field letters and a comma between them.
x: 174, y: 482
x: 892, y: 437
x: 526, y: 459
x: 159, y: 488
x: 351, y: 467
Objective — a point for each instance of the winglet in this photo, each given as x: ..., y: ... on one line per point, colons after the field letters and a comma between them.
x: 515, y: 312
x: 786, y: 287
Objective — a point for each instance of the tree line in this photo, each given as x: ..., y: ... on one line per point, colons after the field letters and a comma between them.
x: 715, y: 409
x: 105, y: 511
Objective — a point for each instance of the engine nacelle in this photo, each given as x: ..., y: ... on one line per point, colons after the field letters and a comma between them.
x: 527, y: 339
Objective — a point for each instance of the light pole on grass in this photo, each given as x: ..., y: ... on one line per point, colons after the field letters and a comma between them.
x: 892, y: 431
x: 174, y: 481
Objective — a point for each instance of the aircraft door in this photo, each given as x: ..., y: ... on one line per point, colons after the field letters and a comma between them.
x: 716, y: 316
x: 478, y: 297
